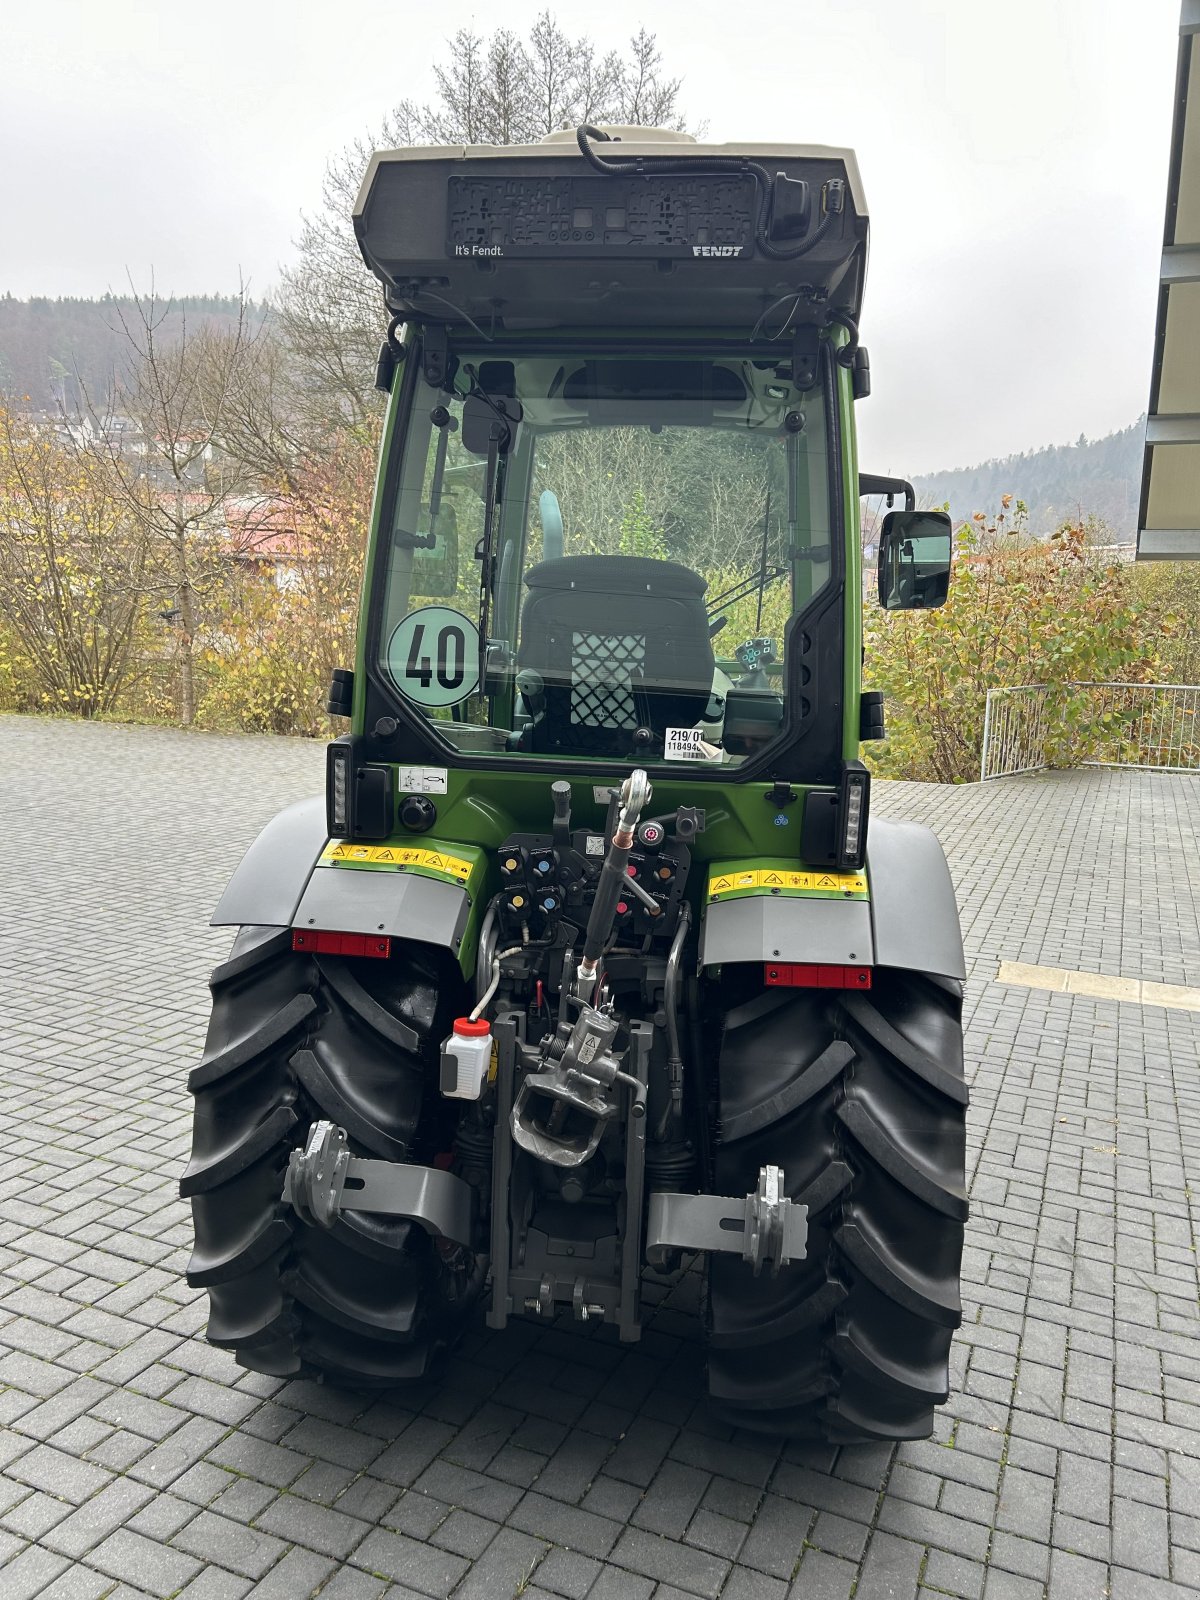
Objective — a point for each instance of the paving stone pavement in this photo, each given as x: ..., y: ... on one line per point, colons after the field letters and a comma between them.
x: 134, y: 1460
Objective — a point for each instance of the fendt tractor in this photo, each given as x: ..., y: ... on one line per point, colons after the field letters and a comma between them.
x: 592, y: 963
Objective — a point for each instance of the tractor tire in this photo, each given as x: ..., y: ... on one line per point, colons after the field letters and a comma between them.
x: 293, y: 1039
x: 861, y: 1099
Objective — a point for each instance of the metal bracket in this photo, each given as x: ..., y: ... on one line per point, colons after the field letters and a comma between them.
x: 806, y: 342
x: 435, y: 355
x: 316, y: 1175
x: 765, y: 1228
x: 324, y: 1179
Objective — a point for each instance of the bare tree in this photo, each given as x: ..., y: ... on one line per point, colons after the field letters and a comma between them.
x: 506, y: 90
x: 172, y: 472
x: 496, y: 90
x: 330, y: 307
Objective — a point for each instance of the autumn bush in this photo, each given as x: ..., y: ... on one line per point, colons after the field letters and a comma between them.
x: 1021, y: 611
x: 295, y: 608
x: 18, y: 677
x: 73, y: 575
x: 1168, y: 593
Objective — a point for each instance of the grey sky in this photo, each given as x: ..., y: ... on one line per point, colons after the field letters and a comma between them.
x: 1014, y: 157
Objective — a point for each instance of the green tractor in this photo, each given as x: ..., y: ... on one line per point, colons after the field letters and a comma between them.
x: 592, y: 961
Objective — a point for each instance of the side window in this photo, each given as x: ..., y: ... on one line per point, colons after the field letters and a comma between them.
x: 432, y: 575
x: 437, y: 517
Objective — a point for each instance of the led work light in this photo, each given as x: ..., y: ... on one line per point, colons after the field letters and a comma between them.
x: 854, y: 800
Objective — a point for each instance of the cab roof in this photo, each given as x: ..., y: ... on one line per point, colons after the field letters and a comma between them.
x: 520, y: 237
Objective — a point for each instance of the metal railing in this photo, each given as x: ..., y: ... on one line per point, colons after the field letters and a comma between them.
x: 1030, y: 727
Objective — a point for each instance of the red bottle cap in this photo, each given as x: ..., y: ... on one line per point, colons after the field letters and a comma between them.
x: 466, y: 1029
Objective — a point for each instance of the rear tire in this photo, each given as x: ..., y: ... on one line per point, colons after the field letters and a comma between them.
x: 293, y: 1039
x: 861, y: 1099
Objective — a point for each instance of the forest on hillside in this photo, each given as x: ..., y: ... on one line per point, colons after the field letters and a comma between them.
x: 53, y: 352
x: 1092, y: 478
x: 66, y: 354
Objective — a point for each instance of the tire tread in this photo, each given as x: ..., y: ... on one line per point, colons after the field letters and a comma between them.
x: 861, y: 1099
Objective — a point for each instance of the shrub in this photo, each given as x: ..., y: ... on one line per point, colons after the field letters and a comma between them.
x: 1021, y: 611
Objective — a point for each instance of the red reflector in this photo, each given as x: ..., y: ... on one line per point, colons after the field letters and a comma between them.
x: 319, y: 942
x: 803, y: 975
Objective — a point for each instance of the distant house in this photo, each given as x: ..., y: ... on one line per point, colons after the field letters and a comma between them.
x: 261, y: 533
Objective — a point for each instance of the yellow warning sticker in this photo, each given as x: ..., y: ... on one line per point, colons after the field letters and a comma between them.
x: 340, y: 854
x: 780, y: 880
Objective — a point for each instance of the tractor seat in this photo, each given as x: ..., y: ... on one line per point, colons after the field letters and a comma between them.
x: 618, y: 643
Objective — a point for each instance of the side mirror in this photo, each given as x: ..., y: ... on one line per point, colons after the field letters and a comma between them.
x: 914, y: 560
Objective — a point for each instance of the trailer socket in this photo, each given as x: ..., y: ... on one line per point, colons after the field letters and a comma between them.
x: 417, y: 813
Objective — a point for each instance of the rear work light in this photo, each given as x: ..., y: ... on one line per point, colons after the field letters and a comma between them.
x: 337, y: 790
x: 854, y: 801
x: 359, y: 802
x: 319, y: 942
x: 805, y: 975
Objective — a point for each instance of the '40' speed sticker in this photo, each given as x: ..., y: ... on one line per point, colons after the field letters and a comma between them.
x: 433, y: 656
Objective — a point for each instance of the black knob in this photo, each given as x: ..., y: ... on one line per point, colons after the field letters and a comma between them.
x: 688, y: 822
x: 417, y: 813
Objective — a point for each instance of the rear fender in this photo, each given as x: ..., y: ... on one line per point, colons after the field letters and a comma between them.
x: 273, y: 874
x: 282, y: 881
x: 914, y: 915
x: 908, y: 920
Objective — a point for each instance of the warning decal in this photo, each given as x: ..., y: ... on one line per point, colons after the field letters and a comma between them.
x: 783, y: 881
x: 424, y: 780
x: 337, y: 853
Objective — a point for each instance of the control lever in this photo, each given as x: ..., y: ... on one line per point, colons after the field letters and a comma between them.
x: 687, y: 821
x: 633, y: 887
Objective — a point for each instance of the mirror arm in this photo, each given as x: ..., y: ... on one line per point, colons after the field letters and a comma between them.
x: 872, y: 483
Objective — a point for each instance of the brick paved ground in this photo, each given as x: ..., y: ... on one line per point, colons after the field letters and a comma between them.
x: 135, y: 1460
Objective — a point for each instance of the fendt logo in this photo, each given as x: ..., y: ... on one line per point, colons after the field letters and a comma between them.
x: 717, y: 249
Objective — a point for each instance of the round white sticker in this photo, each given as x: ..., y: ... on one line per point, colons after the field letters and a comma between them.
x: 433, y: 656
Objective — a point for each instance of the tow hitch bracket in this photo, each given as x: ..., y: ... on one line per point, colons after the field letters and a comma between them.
x: 765, y: 1228
x: 324, y: 1179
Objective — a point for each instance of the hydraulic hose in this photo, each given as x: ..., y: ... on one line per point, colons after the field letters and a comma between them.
x: 488, y: 936
x: 671, y: 1007
x: 485, y: 998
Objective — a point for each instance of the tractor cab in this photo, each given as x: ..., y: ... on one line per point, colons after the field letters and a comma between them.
x: 615, y: 517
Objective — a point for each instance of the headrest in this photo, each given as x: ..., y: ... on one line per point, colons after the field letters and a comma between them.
x: 618, y: 575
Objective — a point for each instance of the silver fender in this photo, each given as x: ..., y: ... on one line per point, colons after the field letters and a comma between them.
x: 910, y: 920
x: 272, y: 875
x: 277, y: 882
